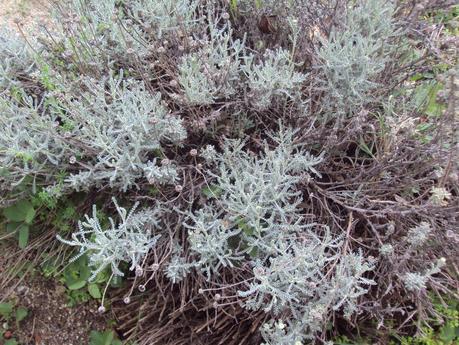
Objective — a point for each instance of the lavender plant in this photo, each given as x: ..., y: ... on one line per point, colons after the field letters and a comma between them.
x: 129, y: 241
x: 416, y: 282
x: 179, y: 103
x: 257, y: 206
x: 15, y: 58
x: 274, y: 77
x: 209, y: 236
x: 353, y: 57
x: 418, y: 235
x: 178, y: 268
x: 258, y: 193
x: 123, y: 125
x: 167, y: 16
x: 30, y: 143
x: 213, y: 70
x: 96, y: 32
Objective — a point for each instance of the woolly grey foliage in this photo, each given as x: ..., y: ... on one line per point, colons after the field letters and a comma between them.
x: 99, y: 31
x: 279, y: 333
x: 165, y: 174
x: 15, y: 58
x: 255, y: 219
x: 274, y: 76
x: 30, y: 141
x: 291, y: 276
x: 352, y: 57
x: 208, y: 236
x: 257, y: 193
x: 212, y: 71
x: 349, y: 282
x: 166, y: 16
x: 415, y: 281
x: 122, y: 126
x: 178, y: 267
x: 113, y: 132
x: 419, y: 234
x: 386, y: 249
x: 129, y: 241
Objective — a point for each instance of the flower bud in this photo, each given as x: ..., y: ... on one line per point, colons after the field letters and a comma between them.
x: 138, y: 271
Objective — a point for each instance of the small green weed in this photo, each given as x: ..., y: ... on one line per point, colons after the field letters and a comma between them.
x: 103, y: 338
x: 10, y: 312
x: 19, y: 219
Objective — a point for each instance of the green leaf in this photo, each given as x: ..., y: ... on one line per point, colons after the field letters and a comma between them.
x: 77, y: 273
x: 101, y: 338
x: 77, y: 285
x: 13, y: 227
x: 254, y: 252
x: 425, y: 98
x: 417, y: 76
x: 6, y: 309
x: 4, y: 172
x: 424, y: 127
x: 21, y: 314
x: 233, y: 5
x: 11, y: 342
x: 23, y: 233
x: 116, y: 282
x: 94, y: 291
x: 30, y: 215
x: 448, y: 333
x: 212, y: 191
x: 244, y: 227
x: 22, y: 211
x: 365, y: 148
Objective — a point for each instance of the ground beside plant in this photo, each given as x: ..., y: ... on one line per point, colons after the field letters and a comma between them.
x: 49, y: 318
x: 26, y: 12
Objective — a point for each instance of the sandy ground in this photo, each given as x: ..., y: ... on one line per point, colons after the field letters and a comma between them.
x: 27, y: 13
x: 50, y: 321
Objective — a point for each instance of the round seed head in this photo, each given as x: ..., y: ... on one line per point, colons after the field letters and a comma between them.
x: 138, y: 271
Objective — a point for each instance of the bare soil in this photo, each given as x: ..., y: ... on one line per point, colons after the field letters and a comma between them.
x: 50, y: 321
x: 27, y: 13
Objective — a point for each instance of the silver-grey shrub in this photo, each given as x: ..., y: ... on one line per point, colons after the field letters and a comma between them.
x: 255, y: 221
x: 416, y: 282
x: 353, y: 56
x: 93, y: 32
x: 166, y: 16
x: 16, y: 58
x: 30, y: 142
x: 273, y: 77
x: 120, y: 128
x: 213, y: 70
x: 128, y: 241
